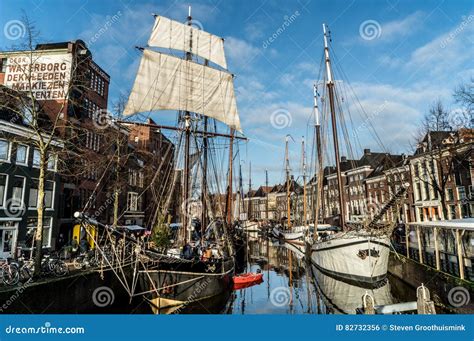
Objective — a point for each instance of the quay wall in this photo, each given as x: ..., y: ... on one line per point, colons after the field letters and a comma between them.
x: 81, y: 292
x: 442, y: 286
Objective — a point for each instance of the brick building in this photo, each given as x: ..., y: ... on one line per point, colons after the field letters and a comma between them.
x: 71, y: 91
x: 441, y: 171
x: 157, y: 153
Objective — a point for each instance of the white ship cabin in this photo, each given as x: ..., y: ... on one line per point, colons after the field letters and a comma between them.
x: 446, y: 245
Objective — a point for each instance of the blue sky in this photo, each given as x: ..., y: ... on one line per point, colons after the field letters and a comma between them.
x: 419, y: 52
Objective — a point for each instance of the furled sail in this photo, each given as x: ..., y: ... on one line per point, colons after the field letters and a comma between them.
x: 172, y: 34
x: 166, y: 82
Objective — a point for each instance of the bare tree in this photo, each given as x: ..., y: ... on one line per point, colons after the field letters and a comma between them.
x: 54, y: 134
x: 437, y: 118
x: 464, y: 95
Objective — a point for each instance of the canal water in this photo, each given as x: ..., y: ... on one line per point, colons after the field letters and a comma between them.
x: 292, y: 286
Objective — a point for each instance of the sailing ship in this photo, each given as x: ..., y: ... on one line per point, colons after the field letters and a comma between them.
x: 280, y: 231
x: 198, y: 85
x: 357, y: 253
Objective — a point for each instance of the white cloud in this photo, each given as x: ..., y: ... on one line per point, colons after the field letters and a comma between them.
x: 401, y: 28
x: 446, y: 52
x: 255, y: 30
x: 250, y: 90
x: 389, y: 61
x: 240, y: 53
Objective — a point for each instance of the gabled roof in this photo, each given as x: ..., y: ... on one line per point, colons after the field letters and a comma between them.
x: 262, y: 191
x: 250, y: 194
x: 433, y: 140
x: 276, y: 188
x: 382, y: 162
x: 294, y: 187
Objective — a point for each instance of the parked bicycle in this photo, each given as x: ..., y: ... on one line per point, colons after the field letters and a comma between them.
x: 86, y: 260
x: 9, y: 273
x: 50, y: 265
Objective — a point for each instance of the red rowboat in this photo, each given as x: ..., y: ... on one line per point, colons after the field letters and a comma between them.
x: 247, y: 280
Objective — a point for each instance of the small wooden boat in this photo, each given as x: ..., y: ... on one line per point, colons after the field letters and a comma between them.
x: 239, y: 286
x: 247, y: 280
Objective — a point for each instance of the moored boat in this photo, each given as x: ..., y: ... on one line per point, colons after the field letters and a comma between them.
x: 358, y: 252
x: 200, y: 262
x: 353, y: 255
x: 247, y: 278
x: 287, y: 235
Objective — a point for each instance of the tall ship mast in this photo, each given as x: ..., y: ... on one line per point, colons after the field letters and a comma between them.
x: 356, y: 253
x: 198, y: 86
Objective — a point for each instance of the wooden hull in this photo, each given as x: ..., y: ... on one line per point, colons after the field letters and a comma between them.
x: 171, y: 287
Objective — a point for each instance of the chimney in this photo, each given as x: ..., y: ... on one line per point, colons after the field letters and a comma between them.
x: 366, y: 151
x: 343, y: 159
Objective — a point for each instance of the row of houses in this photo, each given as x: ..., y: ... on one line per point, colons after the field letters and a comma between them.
x: 93, y: 160
x: 439, y: 178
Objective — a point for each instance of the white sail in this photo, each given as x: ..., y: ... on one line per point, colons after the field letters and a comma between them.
x: 172, y: 34
x: 166, y: 82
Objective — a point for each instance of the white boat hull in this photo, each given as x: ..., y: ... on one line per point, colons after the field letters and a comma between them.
x: 355, y: 256
x: 297, y: 250
x: 287, y: 235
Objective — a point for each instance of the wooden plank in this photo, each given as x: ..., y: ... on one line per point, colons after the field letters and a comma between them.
x: 420, y: 247
x: 435, y: 233
x: 460, y: 254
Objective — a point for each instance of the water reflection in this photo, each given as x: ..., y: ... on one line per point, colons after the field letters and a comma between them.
x: 287, y: 284
x: 293, y: 286
x: 338, y: 297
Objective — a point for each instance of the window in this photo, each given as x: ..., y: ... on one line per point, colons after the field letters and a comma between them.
x: 18, y: 189
x: 3, y: 65
x: 21, y: 154
x: 31, y: 229
x: 48, y: 194
x: 452, y: 212
x: 132, y: 177
x: 27, y: 115
x: 36, y: 158
x: 461, y: 193
x: 141, y: 179
x: 33, y: 198
x: 51, y: 162
x: 421, y: 214
x: 4, y: 150
x: 418, y: 191
x: 427, y: 191
x: 132, y: 202
x: 3, y: 186
x: 139, y: 203
x: 86, y: 107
